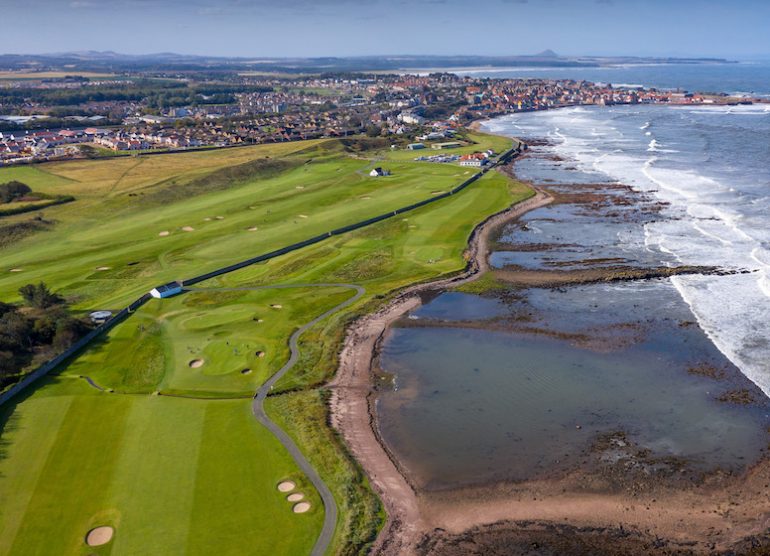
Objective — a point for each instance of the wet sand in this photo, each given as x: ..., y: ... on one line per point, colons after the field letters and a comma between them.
x: 621, y: 500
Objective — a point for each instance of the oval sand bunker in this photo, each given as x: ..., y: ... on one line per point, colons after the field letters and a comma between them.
x: 286, y: 486
x: 195, y: 363
x: 296, y: 497
x: 301, y: 508
x: 99, y: 536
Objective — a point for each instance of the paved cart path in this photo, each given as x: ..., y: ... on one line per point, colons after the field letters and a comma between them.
x: 258, y: 409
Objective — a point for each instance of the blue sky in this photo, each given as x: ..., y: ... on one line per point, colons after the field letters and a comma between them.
x: 254, y: 28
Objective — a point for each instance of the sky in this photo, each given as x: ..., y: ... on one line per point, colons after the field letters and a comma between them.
x: 309, y: 28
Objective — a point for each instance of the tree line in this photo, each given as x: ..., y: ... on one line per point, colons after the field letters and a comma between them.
x: 39, y: 329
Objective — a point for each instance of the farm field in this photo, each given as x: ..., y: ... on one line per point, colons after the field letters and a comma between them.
x: 172, y: 457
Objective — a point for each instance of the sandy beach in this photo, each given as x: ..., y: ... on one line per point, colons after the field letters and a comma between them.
x: 611, y: 504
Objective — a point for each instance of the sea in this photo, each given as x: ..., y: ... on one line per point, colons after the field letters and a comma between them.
x: 521, y: 386
x: 712, y: 164
x: 739, y: 78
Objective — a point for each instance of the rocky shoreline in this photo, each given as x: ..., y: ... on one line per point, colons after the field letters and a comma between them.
x: 663, y: 507
x: 352, y: 402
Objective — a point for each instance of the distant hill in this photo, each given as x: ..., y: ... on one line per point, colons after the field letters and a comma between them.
x: 109, y: 61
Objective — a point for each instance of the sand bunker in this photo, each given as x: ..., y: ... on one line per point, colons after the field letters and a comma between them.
x: 102, y: 268
x: 246, y: 371
x: 286, y: 486
x: 15, y: 270
x: 207, y: 219
x: 260, y: 354
x: 276, y: 306
x: 300, y: 187
x: 164, y: 233
x: 252, y: 229
x: 301, y: 508
x: 195, y: 363
x: 303, y: 215
x: 188, y: 229
x: 99, y: 536
x: 296, y: 497
x: 220, y: 217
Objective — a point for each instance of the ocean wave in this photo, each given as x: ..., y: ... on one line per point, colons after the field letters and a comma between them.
x: 721, y: 109
x: 709, y: 224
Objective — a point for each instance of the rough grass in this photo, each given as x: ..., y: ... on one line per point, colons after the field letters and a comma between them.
x: 304, y: 414
x: 13, y: 233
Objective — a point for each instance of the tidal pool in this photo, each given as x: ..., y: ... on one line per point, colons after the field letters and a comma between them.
x: 478, y: 406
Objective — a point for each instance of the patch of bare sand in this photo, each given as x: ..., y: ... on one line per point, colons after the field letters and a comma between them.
x: 188, y: 229
x: 720, y: 514
x: 164, y: 233
x: 286, y: 486
x: 196, y: 363
x: 99, y: 536
x: 301, y: 508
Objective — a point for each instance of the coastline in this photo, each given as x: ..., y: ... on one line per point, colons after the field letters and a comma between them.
x: 352, y: 403
x: 636, y: 515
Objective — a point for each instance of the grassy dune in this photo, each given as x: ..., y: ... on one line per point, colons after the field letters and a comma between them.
x: 198, y: 476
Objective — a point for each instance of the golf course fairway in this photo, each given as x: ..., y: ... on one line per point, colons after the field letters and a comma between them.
x: 149, y: 431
